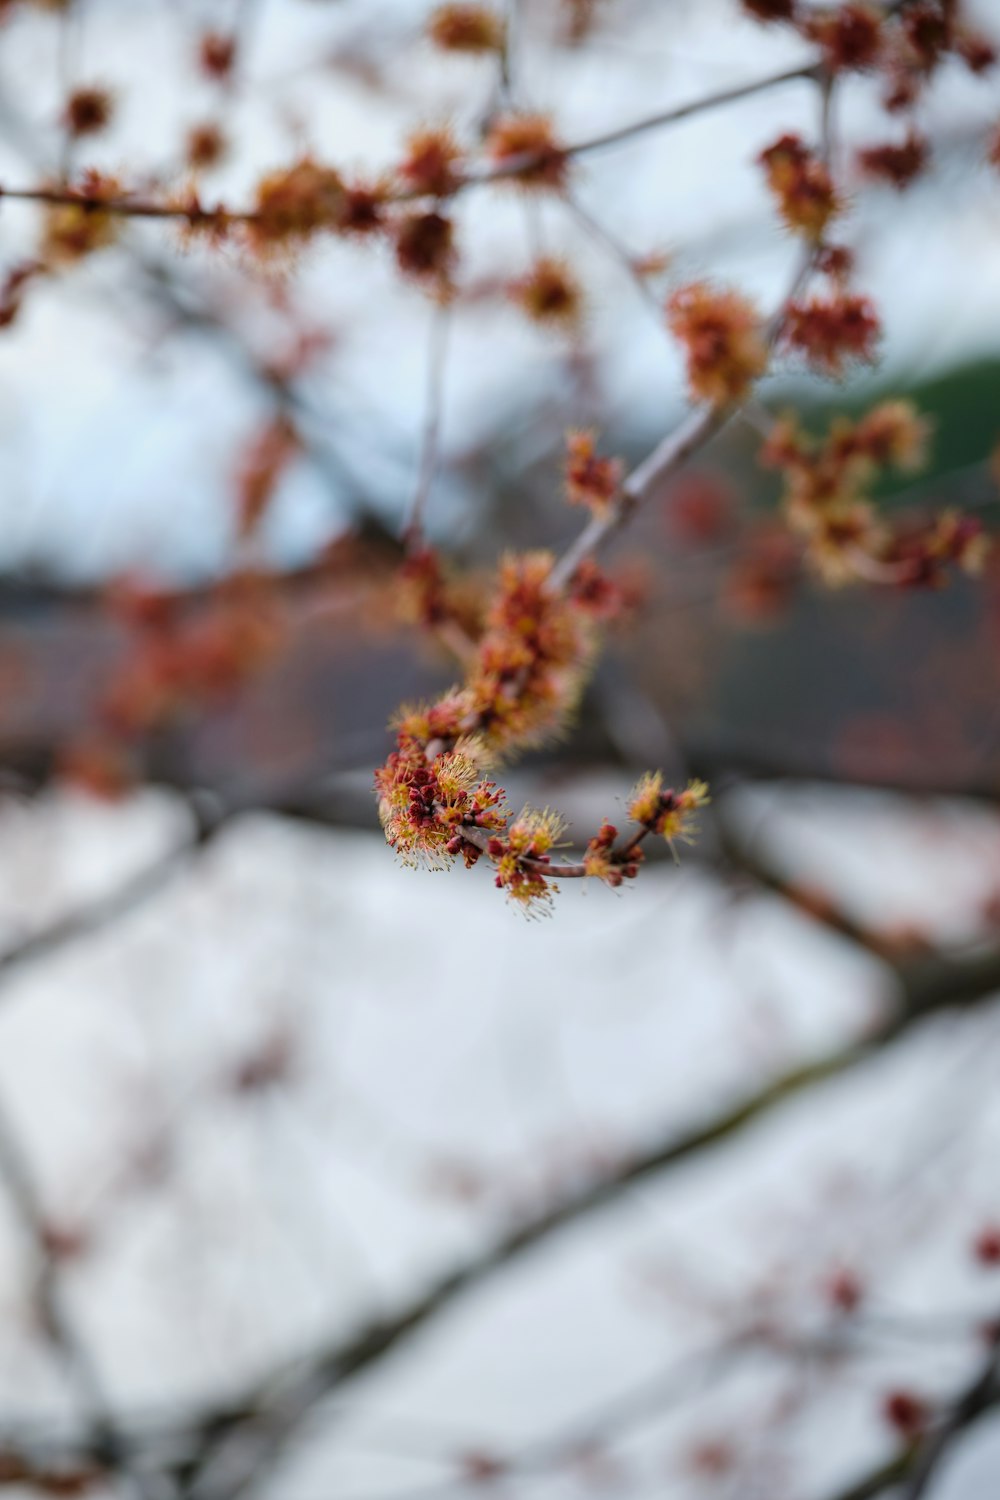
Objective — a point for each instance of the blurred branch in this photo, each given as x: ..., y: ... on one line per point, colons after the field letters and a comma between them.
x: 437, y: 359
x: 102, y: 912
x: 250, y: 1431
x: 914, y: 1469
x: 105, y: 1440
x: 814, y: 902
x: 193, y: 212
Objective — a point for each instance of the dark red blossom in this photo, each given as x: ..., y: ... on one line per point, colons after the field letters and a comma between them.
x: 986, y: 1246
x: 850, y: 36
x: 525, y: 145
x: 425, y: 246
x: 770, y: 10
x: 830, y: 331
x: 723, y: 341
x: 896, y: 162
x: 801, y: 184
x: 906, y: 1412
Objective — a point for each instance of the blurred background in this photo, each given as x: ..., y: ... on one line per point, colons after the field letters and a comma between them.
x: 325, y: 1179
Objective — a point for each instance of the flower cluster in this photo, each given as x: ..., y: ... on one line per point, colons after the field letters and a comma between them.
x: 723, y: 341
x: 425, y: 248
x: 921, y: 558
x: 428, y: 806
x: 549, y: 294
x: 525, y: 668
x: 905, y: 44
x: 849, y: 36
x: 431, y: 163
x: 827, y: 499
x: 523, y: 855
x: 82, y: 225
x: 591, y: 480
x: 605, y: 860
x: 801, y: 185
x: 832, y: 330
x: 88, y: 111
x: 459, y: 27
x: 668, y: 814
x: 525, y: 147
x: 896, y: 162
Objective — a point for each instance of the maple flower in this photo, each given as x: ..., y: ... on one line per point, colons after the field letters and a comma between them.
x: 602, y: 861
x: 524, y: 147
x: 668, y: 813
x: 590, y: 480
x: 88, y: 111
x: 75, y: 230
x: 217, y: 54
x: 425, y: 246
x: 929, y: 32
x: 770, y: 10
x: 296, y: 201
x: 723, y: 339
x: 425, y: 805
x: 431, y: 163
x: 521, y: 855
x: 832, y: 330
x: 906, y: 1412
x: 896, y: 163
x: 460, y: 27
x: 532, y: 659
x: 205, y: 147
x: 849, y: 36
x: 949, y: 539
x: 976, y: 51
x: 893, y: 433
x: 549, y: 294
x: 802, y: 185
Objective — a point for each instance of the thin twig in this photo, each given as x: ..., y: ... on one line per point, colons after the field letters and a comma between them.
x: 436, y: 366
x: 105, y: 1440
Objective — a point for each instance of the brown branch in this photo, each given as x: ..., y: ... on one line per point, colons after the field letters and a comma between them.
x: 475, y: 175
x: 487, y: 172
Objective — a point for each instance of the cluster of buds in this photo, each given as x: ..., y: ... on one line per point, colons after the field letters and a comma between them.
x: 549, y: 294
x: 180, y: 658
x: 905, y: 44
x: 427, y: 596
x: 298, y: 201
x: 801, y: 185
x: 827, y: 499
x: 524, y: 672
x: 604, y: 859
x: 523, y: 856
x: 896, y: 162
x: 667, y: 813
x: 591, y: 480
x: 463, y: 27
x: 181, y: 661
x: 832, y: 330
x: 723, y: 338
x: 429, y: 805
x: 88, y: 111
x: 921, y: 558
x: 82, y: 225
x: 525, y: 147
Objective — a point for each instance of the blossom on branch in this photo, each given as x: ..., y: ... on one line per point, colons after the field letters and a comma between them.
x: 723, y: 340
